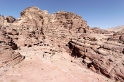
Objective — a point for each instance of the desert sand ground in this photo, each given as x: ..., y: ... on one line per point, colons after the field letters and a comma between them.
x: 40, y: 67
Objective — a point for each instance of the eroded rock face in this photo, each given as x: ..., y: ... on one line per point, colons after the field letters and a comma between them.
x: 2, y: 20
x: 38, y: 19
x: 9, y: 57
x: 72, y: 21
x: 101, y: 31
x: 7, y: 54
x: 105, y: 57
x: 10, y: 19
x: 122, y: 38
x: 33, y: 18
x: 101, y: 51
x: 117, y: 37
x: 36, y: 26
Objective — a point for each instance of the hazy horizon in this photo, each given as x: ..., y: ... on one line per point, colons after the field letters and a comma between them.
x: 97, y: 13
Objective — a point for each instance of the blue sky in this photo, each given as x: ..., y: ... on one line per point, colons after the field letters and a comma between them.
x: 97, y: 13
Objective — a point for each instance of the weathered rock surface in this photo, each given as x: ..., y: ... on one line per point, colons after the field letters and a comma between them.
x: 101, y: 31
x: 2, y: 19
x: 105, y: 57
x: 101, y: 51
x: 117, y: 37
x: 10, y: 19
x: 116, y: 29
x: 36, y: 26
x: 9, y: 57
x: 7, y: 54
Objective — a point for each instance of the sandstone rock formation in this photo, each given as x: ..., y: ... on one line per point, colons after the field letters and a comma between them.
x: 36, y: 26
x: 104, y: 57
x: 7, y: 54
x: 117, y: 37
x: 9, y: 57
x: 100, y: 31
x: 2, y: 19
x: 10, y: 19
x: 101, y: 51
x: 116, y: 29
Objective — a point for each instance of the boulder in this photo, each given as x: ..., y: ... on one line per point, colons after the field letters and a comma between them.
x: 10, y: 19
x: 9, y: 57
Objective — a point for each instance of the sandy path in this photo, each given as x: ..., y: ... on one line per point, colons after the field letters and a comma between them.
x: 56, y: 68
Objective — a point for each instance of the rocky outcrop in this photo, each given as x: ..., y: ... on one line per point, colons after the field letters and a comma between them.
x: 2, y: 20
x: 37, y: 25
x: 117, y: 37
x: 9, y: 57
x: 10, y: 19
x: 104, y: 57
x: 116, y: 29
x: 101, y: 51
x: 7, y: 46
x: 33, y: 18
x: 38, y: 19
x: 72, y: 21
x: 101, y: 31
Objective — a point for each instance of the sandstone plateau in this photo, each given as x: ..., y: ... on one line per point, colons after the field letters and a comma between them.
x: 58, y: 47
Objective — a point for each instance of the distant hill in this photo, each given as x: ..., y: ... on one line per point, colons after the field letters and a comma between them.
x: 118, y: 28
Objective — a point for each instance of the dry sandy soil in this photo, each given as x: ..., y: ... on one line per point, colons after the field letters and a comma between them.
x: 41, y: 67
